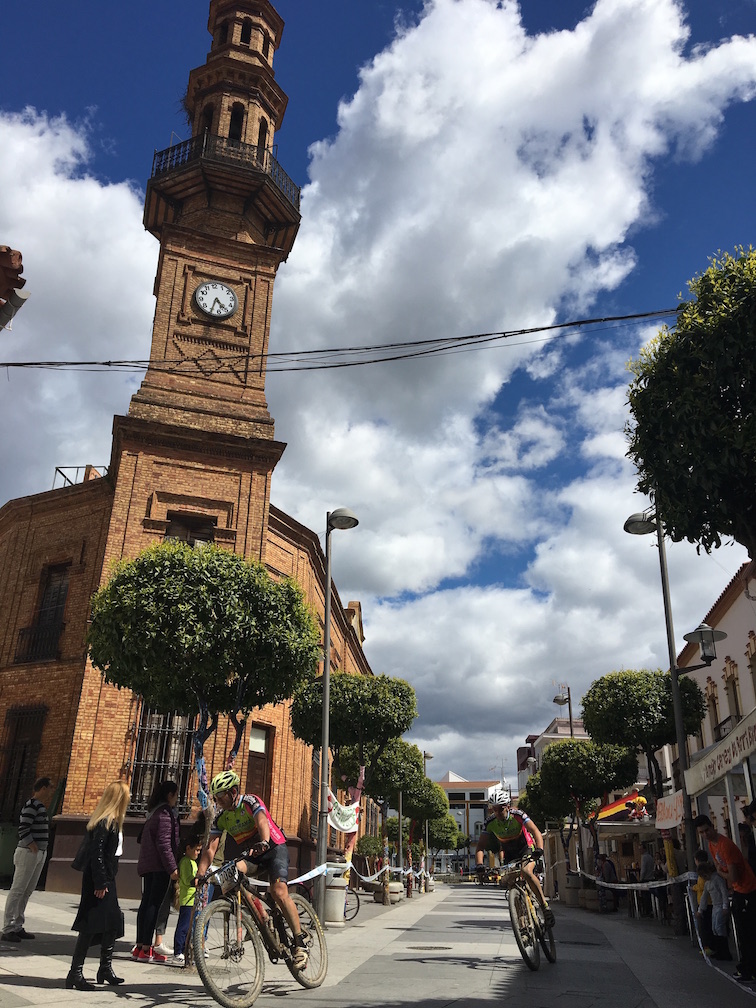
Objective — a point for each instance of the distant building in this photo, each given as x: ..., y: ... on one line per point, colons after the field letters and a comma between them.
x: 468, y: 805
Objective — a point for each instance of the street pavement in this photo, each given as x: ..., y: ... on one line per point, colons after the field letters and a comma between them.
x: 452, y: 947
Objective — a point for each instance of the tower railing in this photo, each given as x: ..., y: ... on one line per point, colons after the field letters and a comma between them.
x: 216, y: 148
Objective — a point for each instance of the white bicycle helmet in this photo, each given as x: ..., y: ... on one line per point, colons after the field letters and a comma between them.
x: 498, y: 796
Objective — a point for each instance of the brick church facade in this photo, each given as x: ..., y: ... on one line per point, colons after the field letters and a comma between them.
x: 192, y: 459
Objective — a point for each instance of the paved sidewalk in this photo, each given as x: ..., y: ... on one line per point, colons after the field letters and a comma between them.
x: 33, y: 972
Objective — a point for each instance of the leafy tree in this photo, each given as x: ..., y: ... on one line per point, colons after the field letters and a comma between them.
x: 634, y: 708
x: 582, y: 772
x: 189, y: 628
x: 366, y: 714
x: 369, y: 846
x: 693, y: 429
x: 443, y: 833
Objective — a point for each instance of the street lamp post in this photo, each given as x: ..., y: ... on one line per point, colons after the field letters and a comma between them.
x: 341, y: 518
x: 563, y: 698
x: 426, y: 757
x: 644, y: 523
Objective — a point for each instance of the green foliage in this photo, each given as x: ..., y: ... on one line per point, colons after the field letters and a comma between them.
x: 542, y: 805
x: 634, y: 708
x: 693, y: 430
x: 392, y: 828
x: 399, y: 768
x: 583, y: 771
x: 369, y: 846
x: 443, y: 833
x: 180, y: 625
x: 366, y: 713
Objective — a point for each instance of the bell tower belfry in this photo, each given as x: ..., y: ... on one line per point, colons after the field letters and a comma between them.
x: 196, y: 452
x: 226, y: 215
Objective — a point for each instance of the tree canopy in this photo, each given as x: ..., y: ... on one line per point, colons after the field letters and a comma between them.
x: 443, y: 833
x: 634, y: 708
x: 189, y: 627
x: 693, y: 429
x: 366, y: 714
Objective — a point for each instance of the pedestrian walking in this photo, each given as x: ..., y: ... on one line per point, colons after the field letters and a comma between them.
x: 28, y: 859
x: 157, y: 866
x: 99, y: 920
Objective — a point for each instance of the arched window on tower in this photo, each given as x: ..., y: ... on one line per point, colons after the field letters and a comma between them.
x: 262, y: 141
x: 266, y: 46
x: 207, y: 119
x: 246, y: 32
x: 236, y: 127
x: 223, y: 33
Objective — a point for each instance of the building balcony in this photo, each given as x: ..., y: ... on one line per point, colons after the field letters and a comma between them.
x: 724, y: 727
x: 227, y: 152
x: 38, y: 643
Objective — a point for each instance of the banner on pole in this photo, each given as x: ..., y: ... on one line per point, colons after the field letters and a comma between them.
x: 343, y: 818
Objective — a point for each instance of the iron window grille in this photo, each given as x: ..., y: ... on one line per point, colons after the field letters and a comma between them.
x: 163, y: 752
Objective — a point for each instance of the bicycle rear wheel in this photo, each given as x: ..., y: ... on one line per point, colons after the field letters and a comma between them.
x: 524, y: 931
x: 352, y: 905
x: 545, y: 935
x: 314, y: 973
x: 231, y: 971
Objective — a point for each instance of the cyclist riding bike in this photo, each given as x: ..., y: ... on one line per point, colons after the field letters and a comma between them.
x: 511, y: 834
x: 247, y: 820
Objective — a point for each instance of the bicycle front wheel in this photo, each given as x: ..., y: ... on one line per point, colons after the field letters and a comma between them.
x: 314, y: 972
x: 545, y: 935
x: 352, y: 905
x: 232, y: 970
x: 524, y: 930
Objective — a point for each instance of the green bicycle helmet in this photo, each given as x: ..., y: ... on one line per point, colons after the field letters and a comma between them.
x: 224, y: 781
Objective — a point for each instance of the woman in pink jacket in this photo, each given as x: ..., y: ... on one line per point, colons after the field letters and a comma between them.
x: 157, y: 865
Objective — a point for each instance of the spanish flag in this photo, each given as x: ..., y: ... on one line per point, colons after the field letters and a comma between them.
x: 617, y: 811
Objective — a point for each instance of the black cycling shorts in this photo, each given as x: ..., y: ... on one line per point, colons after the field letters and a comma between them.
x: 273, y: 864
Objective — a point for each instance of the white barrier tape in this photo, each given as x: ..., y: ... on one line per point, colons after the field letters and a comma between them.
x: 643, y: 886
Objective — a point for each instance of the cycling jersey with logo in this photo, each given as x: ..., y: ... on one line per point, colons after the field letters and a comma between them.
x: 508, y: 829
x: 240, y: 822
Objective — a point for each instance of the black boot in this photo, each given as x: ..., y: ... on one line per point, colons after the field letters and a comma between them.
x: 75, y: 979
x: 105, y: 973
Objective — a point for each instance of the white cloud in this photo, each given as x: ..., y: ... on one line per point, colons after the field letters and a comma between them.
x: 460, y: 195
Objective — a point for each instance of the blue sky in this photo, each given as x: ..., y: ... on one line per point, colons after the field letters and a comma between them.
x: 467, y: 167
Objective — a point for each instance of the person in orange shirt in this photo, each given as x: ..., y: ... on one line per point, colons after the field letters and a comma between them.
x: 741, y: 881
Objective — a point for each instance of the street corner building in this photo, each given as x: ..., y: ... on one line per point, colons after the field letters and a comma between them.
x: 193, y: 459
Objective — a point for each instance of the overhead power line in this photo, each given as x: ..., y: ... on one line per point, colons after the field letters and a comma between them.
x: 342, y: 357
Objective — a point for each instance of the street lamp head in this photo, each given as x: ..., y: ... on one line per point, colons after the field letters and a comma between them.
x: 561, y: 699
x: 641, y: 523
x: 341, y: 518
x: 427, y: 755
x: 705, y: 636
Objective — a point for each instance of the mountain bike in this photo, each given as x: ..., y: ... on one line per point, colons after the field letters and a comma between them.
x: 531, y: 931
x: 233, y: 934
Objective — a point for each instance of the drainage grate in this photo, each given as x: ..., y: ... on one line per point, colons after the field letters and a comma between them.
x: 429, y: 948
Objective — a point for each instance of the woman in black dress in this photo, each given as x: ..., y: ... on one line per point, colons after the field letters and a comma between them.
x: 99, y: 920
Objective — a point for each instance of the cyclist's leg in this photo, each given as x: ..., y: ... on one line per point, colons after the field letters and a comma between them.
x: 486, y: 842
x: 275, y: 864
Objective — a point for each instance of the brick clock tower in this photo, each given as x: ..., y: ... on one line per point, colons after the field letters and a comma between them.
x: 194, y: 456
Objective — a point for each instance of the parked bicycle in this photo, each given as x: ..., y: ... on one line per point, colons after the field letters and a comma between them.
x: 233, y: 934
x: 351, y: 899
x: 531, y: 931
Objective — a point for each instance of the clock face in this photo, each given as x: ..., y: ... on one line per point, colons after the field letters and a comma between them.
x: 216, y: 299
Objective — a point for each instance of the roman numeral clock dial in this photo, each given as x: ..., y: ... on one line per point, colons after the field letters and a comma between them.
x: 216, y: 300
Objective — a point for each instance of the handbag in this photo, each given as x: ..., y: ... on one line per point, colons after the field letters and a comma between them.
x: 81, y: 860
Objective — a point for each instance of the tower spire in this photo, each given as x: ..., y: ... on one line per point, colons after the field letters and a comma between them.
x: 226, y: 215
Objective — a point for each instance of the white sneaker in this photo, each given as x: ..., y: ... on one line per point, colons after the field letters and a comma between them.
x: 299, y: 957
x: 178, y: 960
